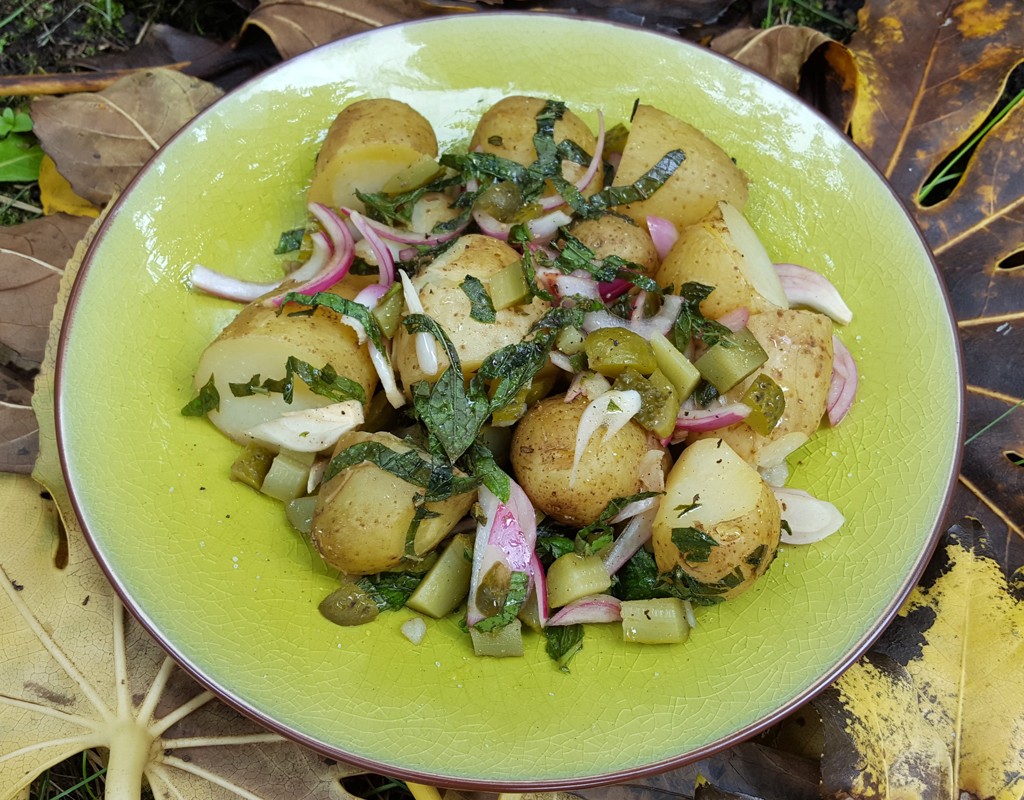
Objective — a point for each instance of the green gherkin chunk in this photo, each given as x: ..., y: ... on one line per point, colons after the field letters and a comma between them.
x: 659, y: 401
x: 501, y: 200
x: 767, y: 404
x: 349, y: 604
x: 252, y: 465
x: 612, y: 350
x: 731, y: 360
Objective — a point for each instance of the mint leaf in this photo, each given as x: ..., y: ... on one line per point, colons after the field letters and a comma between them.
x: 325, y: 382
x: 481, y: 307
x: 518, y: 584
x: 562, y: 643
x: 203, y: 403
x: 694, y: 544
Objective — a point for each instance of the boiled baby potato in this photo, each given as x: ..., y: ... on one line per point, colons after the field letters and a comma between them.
x: 364, y: 513
x: 612, y: 235
x: 440, y: 292
x: 507, y: 129
x: 722, y: 250
x: 706, y: 176
x: 542, y: 451
x: 369, y: 146
x: 259, y: 341
x: 799, y: 348
x: 718, y: 522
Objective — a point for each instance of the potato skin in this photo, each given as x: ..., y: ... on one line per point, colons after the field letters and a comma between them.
x: 612, y: 235
x: 443, y: 299
x: 542, y: 451
x: 363, y: 514
x: 799, y: 347
x: 737, y: 509
x: 706, y: 176
x: 259, y: 341
x: 705, y: 253
x: 507, y: 128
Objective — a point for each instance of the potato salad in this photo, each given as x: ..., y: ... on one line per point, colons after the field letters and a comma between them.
x: 547, y: 379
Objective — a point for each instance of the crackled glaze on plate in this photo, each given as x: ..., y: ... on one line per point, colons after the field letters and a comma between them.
x: 214, y: 571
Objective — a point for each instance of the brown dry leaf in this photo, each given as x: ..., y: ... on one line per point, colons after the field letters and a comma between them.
x: 803, y: 60
x: 295, y: 26
x: 19, y: 434
x: 100, y: 140
x: 78, y: 673
x: 928, y: 80
x: 32, y: 258
x: 937, y: 710
x: 668, y: 17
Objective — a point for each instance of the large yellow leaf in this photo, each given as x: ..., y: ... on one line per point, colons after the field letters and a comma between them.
x: 78, y: 673
x: 939, y: 706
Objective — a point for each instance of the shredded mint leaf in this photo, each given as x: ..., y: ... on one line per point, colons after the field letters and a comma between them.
x: 343, y: 306
x: 518, y: 585
x: 694, y: 544
x: 438, y: 480
x: 481, y: 463
x: 203, y: 403
x: 548, y: 161
x: 325, y: 382
x: 449, y: 411
x: 481, y: 307
x: 575, y: 255
x: 290, y: 241
x: 396, y: 209
x: 390, y: 590
x: 602, y: 526
x: 642, y: 188
x: 691, y: 323
x: 562, y: 643
x: 514, y: 366
x: 756, y: 556
x: 638, y: 579
x: 678, y: 583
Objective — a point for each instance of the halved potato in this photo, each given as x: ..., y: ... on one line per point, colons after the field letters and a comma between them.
x: 612, y: 235
x: 722, y: 250
x: 370, y: 143
x: 259, y: 341
x: 507, y: 129
x: 364, y: 513
x: 440, y: 292
x: 799, y: 348
x: 712, y: 491
x: 705, y: 177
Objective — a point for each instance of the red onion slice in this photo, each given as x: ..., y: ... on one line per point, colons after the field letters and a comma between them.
x: 593, y: 608
x: 613, y: 410
x: 577, y: 284
x: 542, y: 229
x: 843, y: 388
x: 663, y: 234
x: 700, y: 420
x: 810, y: 519
x: 385, y: 261
x: 407, y: 237
x: 661, y: 322
x: 242, y: 291
x: 805, y: 287
x: 426, y: 352
x: 635, y: 535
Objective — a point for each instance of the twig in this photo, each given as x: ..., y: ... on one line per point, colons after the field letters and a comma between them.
x: 13, y: 202
x: 70, y: 82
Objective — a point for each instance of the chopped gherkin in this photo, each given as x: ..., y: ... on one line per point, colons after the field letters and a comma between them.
x: 252, y: 465
x: 767, y: 404
x: 612, y: 350
x: 730, y: 361
x: 659, y: 401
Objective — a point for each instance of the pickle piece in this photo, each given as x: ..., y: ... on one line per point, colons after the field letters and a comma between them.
x: 573, y: 576
x: 659, y: 401
x: 501, y: 200
x: 767, y: 404
x: 658, y: 621
x: 388, y: 312
x: 447, y: 583
x: 569, y: 340
x: 349, y: 604
x: 252, y: 465
x: 508, y: 287
x: 675, y: 366
x: 731, y: 360
x: 505, y: 642
x: 610, y: 350
x: 287, y: 478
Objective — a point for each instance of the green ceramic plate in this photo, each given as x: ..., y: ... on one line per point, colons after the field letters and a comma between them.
x: 214, y: 571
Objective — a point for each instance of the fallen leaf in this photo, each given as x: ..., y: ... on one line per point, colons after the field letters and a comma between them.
x: 19, y: 439
x: 100, y: 140
x: 802, y: 59
x: 937, y: 709
x: 928, y: 78
x: 668, y: 17
x: 32, y: 258
x: 57, y: 196
x: 877, y: 742
x: 295, y: 26
x: 79, y: 673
